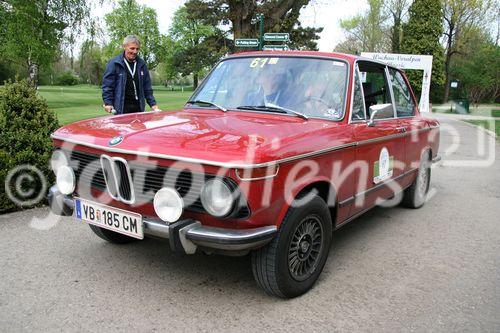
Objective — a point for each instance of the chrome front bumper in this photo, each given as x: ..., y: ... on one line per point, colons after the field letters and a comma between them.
x: 191, y: 234
x: 185, y: 235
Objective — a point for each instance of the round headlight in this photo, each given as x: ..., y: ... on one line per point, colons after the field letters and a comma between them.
x: 65, y: 179
x: 168, y: 204
x: 57, y: 160
x: 217, y: 198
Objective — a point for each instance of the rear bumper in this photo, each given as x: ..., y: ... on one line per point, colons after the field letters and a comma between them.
x: 184, y: 235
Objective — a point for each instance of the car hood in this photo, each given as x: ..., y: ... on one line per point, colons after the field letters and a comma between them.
x: 243, y: 138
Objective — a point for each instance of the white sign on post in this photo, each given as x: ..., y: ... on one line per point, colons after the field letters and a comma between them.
x: 409, y: 61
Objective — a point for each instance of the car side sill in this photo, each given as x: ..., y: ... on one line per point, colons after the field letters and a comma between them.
x: 349, y: 200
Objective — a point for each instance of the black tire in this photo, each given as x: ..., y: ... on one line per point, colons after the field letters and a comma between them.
x: 274, y: 267
x: 111, y: 236
x: 416, y: 195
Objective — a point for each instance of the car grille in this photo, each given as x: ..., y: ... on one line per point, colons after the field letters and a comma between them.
x: 147, y: 181
x: 125, y: 187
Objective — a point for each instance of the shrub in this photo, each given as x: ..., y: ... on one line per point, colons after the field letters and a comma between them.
x: 25, y: 127
x: 67, y: 78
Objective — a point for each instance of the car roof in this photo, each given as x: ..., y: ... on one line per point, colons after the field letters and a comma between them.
x: 348, y: 57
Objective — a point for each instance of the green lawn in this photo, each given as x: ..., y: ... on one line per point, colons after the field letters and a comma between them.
x: 492, y: 125
x: 486, y: 110
x: 84, y: 101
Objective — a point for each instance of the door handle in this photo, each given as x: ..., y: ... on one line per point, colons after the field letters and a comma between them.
x: 401, y: 129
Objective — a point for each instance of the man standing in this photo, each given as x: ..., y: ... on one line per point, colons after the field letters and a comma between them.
x: 126, y: 82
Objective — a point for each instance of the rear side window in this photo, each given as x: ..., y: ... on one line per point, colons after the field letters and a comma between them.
x: 405, y: 107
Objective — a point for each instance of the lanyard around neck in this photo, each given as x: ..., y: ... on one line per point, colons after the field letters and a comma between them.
x: 132, y: 73
x: 128, y: 66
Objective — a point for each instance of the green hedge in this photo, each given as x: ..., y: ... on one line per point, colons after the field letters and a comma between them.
x: 25, y: 127
x: 67, y: 78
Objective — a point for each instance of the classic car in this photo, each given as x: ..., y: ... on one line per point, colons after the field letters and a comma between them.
x: 272, y: 153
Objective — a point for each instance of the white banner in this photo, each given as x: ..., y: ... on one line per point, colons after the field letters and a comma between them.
x: 409, y: 61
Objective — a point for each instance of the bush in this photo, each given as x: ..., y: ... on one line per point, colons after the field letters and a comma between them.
x: 25, y: 127
x: 67, y: 78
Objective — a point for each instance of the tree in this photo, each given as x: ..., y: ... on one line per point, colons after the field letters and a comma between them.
x: 421, y: 36
x: 397, y: 10
x: 166, y: 68
x: 478, y: 70
x: 195, y: 44
x: 61, y: 65
x: 130, y: 18
x: 280, y: 16
x: 366, y: 32
x: 93, y: 56
x: 497, y: 19
x: 350, y: 45
x: 92, y: 62
x: 6, y: 70
x: 32, y: 29
x: 3, y: 19
x: 460, y: 16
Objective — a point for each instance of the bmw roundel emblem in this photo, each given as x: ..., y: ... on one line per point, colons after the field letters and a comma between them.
x: 116, y: 140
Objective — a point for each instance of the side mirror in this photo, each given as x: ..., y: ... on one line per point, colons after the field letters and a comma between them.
x: 380, y: 111
x: 373, y: 113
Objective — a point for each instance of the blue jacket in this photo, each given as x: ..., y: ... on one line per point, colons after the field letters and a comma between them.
x: 115, y: 79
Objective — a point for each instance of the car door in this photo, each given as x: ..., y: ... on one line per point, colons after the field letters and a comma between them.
x: 380, y: 148
x: 409, y: 119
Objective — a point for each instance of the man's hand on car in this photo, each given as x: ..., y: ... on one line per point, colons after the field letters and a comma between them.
x: 108, y: 108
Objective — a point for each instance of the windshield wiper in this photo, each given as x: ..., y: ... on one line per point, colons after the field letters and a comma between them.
x: 260, y: 108
x: 272, y: 108
x: 198, y: 101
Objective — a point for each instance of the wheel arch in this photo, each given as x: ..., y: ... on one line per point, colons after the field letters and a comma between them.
x: 324, y: 189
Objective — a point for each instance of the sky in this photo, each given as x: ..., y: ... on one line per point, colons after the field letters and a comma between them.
x: 319, y: 13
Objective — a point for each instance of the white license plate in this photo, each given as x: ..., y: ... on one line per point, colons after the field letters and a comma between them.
x: 118, y: 220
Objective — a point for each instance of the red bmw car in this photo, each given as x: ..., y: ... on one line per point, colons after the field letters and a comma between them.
x: 271, y: 154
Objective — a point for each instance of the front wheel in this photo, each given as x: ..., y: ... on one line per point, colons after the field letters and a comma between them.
x: 290, y: 265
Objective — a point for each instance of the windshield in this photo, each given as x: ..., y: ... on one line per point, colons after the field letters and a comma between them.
x: 310, y: 87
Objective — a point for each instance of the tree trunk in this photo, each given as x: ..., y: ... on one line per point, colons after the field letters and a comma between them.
x: 32, y: 73
x: 242, y: 29
x: 195, y: 81
x: 446, y: 94
x: 447, y: 60
x: 240, y: 15
x: 396, y: 35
